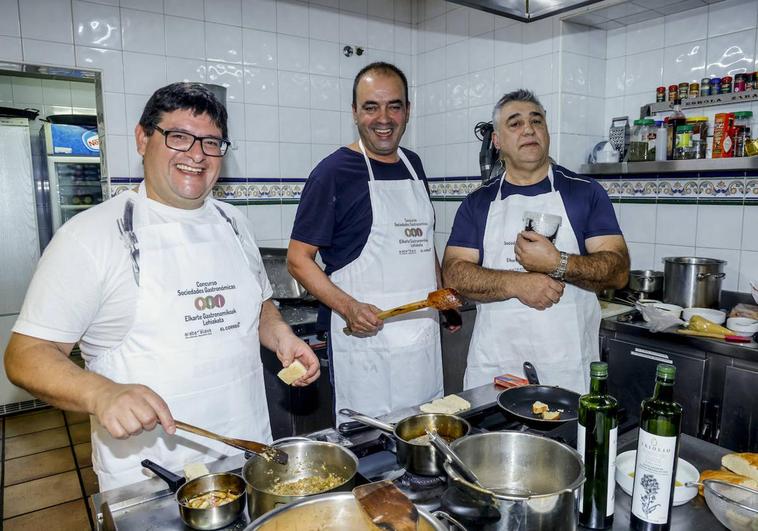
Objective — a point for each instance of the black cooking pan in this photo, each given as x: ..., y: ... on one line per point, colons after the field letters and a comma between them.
x: 516, y: 402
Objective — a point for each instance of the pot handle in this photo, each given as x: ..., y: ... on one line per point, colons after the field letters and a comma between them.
x: 365, y: 419
x: 174, y: 481
x: 707, y: 276
x: 442, y: 515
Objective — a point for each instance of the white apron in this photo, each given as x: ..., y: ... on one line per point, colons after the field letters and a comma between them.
x: 560, y: 341
x: 194, y: 341
x: 401, y: 365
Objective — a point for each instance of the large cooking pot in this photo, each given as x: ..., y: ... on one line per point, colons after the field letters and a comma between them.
x: 536, y: 480
x: 335, y: 511
x: 418, y: 458
x: 692, y: 282
x: 307, y: 458
x: 645, y: 280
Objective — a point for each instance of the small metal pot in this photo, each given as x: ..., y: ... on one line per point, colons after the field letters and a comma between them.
x: 421, y: 459
x: 645, y: 280
x: 534, y: 481
x: 692, y: 282
x: 306, y: 458
x: 212, y: 517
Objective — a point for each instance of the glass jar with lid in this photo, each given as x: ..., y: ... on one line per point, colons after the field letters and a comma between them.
x: 742, y: 133
x: 637, y: 142
x: 683, y: 149
x: 699, y: 135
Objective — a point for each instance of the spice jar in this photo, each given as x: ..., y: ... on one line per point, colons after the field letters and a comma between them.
x: 673, y: 92
x: 715, y: 86
x: 705, y: 87
x: 694, y: 90
x: 684, y: 91
x: 660, y: 94
x: 739, y: 83
x: 683, y: 148
x: 699, y: 135
x: 726, y: 85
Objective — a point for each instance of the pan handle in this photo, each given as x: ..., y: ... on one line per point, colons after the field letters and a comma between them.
x: 174, y: 481
x: 442, y: 515
x: 531, y: 373
x: 365, y: 419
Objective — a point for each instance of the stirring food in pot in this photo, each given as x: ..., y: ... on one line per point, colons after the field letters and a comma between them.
x: 213, y: 498
x: 423, y: 440
x: 307, y: 486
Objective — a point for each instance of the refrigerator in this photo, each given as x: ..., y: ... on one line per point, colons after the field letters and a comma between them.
x: 72, y: 159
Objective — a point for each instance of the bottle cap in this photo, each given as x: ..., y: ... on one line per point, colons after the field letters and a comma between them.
x: 598, y: 369
x: 665, y: 371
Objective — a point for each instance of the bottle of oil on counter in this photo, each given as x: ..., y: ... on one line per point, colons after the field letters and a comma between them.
x: 657, y: 451
x: 596, y: 443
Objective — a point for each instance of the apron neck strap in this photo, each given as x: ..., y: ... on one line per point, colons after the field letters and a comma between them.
x: 400, y: 154
x: 549, y: 178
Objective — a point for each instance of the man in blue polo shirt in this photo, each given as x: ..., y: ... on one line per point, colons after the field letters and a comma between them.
x: 536, y: 299
x: 366, y: 209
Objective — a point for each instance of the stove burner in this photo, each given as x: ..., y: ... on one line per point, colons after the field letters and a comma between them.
x: 416, y: 482
x: 424, y: 491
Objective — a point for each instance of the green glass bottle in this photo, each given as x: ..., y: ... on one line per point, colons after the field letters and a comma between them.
x: 596, y: 443
x: 657, y: 451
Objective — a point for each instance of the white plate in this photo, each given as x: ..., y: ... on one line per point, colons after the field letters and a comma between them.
x: 684, y: 472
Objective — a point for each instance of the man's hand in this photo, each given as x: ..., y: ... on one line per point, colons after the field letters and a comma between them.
x: 539, y: 291
x: 127, y: 409
x: 361, y: 318
x: 291, y: 348
x: 535, y: 252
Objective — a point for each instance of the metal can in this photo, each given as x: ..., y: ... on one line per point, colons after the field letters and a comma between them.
x: 684, y: 90
x: 694, y: 90
x: 673, y: 92
x: 739, y: 83
x: 726, y: 85
x: 660, y: 94
x: 705, y: 86
x: 715, y: 86
x: 755, y: 80
x: 749, y: 80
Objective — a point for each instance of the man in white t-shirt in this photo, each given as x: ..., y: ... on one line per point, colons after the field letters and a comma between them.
x: 165, y: 292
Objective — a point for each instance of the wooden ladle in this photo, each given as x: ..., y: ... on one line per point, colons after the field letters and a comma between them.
x: 441, y: 299
x: 269, y: 453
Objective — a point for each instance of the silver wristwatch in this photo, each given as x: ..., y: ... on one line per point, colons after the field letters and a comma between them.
x: 560, y: 272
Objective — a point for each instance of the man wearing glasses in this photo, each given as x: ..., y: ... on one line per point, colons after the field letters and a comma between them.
x: 166, y: 294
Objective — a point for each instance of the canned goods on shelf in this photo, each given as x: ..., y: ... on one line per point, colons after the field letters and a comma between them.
x: 705, y: 86
x: 694, y: 90
x: 739, y: 83
x: 726, y: 85
x: 715, y: 86
x: 660, y: 94
x: 673, y: 92
x: 684, y: 91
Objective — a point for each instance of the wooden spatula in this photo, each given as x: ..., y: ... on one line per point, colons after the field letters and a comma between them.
x: 386, y: 506
x: 269, y: 453
x: 441, y: 299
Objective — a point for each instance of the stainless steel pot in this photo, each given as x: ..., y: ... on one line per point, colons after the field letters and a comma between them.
x: 422, y: 459
x: 531, y: 481
x: 329, y: 511
x: 692, y: 282
x: 306, y: 458
x: 645, y: 280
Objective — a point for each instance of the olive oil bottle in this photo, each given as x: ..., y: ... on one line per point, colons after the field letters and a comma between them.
x: 657, y: 451
x: 596, y: 443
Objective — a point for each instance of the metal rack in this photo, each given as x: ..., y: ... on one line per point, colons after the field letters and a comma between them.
x: 665, y: 166
x: 704, y: 101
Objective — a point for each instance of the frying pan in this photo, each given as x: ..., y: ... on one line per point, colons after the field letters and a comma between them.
x: 516, y: 402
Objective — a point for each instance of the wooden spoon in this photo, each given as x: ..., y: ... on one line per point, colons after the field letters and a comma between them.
x: 269, y: 453
x: 386, y: 506
x: 441, y: 299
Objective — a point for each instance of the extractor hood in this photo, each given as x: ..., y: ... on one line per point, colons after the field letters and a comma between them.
x: 526, y: 10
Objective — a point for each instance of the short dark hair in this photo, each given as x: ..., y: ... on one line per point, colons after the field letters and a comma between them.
x: 517, y: 95
x: 382, y: 68
x: 182, y: 96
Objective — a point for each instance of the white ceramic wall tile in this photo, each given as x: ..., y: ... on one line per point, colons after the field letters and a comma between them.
x: 178, y: 69
x: 731, y: 16
x: 325, y: 127
x: 230, y: 76
x: 456, y: 59
x: 662, y: 251
x: 41, y: 19
x: 719, y: 226
x: 750, y: 229
x: 109, y: 61
x: 55, y: 92
x: 9, y: 23
x: 136, y: 167
x: 434, y: 161
x: 259, y: 14
x: 294, y: 125
x: 156, y: 6
x: 348, y: 131
x: 731, y: 54
x: 456, y: 25
x: 686, y: 26
x: 292, y: 18
x: 540, y: 74
x: 135, y: 104
x: 261, y: 123
x: 325, y: 58
x: 482, y: 113
x: 748, y: 270
x: 684, y: 62
x: 294, y: 89
x: 236, y: 125
x: 325, y: 93
x: 451, y: 209
x: 142, y: 32
x: 644, y: 36
x: 596, y: 77
x: 480, y: 87
x: 292, y: 53
x: 233, y: 163
x: 10, y: 49
x: 574, y: 73
x: 732, y: 267
x: 644, y: 72
x: 432, y: 34
x: 48, y: 53
x: 96, y: 25
x: 507, y: 78
x: 223, y: 11
x: 598, y: 43
x: 185, y: 37
x: 380, y: 34
x: 259, y: 48
x: 353, y: 29
x: 295, y: 160
x: 117, y: 155
x: 573, y: 149
x: 288, y: 220
x: 266, y: 221
x: 638, y: 222
x: 262, y: 160
x: 457, y: 128
x: 183, y: 8
x: 323, y: 23
x: 481, y: 52
x: 434, y: 130
x: 676, y: 224
x: 403, y: 39
x: 457, y: 92
x: 455, y: 160
x: 223, y: 43
x: 261, y: 86
x: 642, y: 255
x: 575, y: 38
x: 574, y: 112
x: 143, y: 73
x: 538, y: 38
x: 616, y: 43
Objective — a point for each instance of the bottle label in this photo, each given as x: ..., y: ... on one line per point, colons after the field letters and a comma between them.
x: 653, y: 475
x: 611, y: 479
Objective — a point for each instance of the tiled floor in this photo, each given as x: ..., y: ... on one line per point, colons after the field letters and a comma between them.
x: 47, y: 471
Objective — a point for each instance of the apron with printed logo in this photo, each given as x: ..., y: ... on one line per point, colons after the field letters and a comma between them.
x: 194, y: 341
x: 401, y: 365
x: 560, y: 341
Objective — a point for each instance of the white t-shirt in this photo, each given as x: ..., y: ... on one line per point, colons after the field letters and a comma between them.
x: 84, y: 289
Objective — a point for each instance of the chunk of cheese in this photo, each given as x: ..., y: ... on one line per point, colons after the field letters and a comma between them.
x: 194, y: 470
x: 449, y: 405
x: 295, y: 371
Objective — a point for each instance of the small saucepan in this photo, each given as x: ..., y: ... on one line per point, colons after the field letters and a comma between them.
x: 207, y: 518
x: 414, y: 451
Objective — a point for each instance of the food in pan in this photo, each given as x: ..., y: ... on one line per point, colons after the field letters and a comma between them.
x: 543, y: 410
x: 450, y: 405
x: 308, y: 485
x: 538, y: 408
x: 551, y: 415
x: 295, y: 371
x: 213, y: 498
x: 744, y: 463
x: 423, y: 440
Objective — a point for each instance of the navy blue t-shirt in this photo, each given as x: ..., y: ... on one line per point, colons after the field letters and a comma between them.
x: 335, y: 208
x: 587, y: 204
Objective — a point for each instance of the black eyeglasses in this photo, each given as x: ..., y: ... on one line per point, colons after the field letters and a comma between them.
x: 183, y: 141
